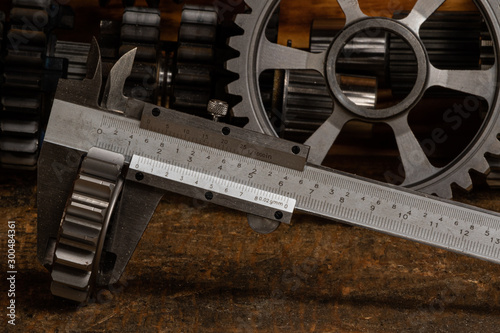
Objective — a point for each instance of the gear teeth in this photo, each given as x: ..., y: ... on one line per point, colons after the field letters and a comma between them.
x: 71, y: 293
x: 21, y: 114
x: 494, y: 148
x: 464, y: 182
x: 251, y: 107
x: 493, y: 179
x: 193, y: 81
x: 482, y: 166
x: 77, y: 250
x: 442, y: 191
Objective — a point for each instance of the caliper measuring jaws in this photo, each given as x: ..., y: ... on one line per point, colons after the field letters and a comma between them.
x: 108, y: 160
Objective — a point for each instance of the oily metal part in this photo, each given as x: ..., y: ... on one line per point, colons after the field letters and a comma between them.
x: 22, y: 96
x: 257, y: 54
x: 84, y: 224
x: 193, y: 77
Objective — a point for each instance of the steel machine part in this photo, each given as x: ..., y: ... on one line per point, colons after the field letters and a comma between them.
x: 453, y: 40
x: 85, y: 223
x: 164, y: 150
x: 257, y: 54
x: 179, y: 76
x: 307, y: 102
x: 193, y: 74
x: 28, y: 78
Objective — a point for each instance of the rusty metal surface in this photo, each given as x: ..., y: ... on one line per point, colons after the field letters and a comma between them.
x: 200, y: 268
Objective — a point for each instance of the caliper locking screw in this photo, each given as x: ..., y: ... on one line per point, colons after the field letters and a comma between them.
x: 218, y: 109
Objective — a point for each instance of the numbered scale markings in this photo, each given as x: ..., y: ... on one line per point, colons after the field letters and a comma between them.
x: 213, y: 184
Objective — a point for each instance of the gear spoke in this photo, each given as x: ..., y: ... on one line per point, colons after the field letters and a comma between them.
x: 422, y: 10
x: 275, y: 56
x: 323, y: 139
x: 415, y: 162
x: 480, y: 83
x: 351, y: 10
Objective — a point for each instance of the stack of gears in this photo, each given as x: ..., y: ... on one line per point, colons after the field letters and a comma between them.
x: 184, y: 75
x: 178, y: 75
x: 30, y: 74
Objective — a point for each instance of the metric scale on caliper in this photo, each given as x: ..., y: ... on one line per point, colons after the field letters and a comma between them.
x: 152, y: 150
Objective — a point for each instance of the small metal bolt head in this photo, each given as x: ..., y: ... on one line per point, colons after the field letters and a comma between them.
x: 218, y: 109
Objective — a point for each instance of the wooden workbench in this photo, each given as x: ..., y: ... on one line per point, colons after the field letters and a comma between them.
x: 199, y: 268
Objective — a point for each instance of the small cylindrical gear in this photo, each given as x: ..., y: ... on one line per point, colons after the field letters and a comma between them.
x: 193, y: 77
x: 84, y: 225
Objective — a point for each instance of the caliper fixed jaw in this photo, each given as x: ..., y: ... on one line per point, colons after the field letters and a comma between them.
x: 79, y: 187
x: 58, y: 164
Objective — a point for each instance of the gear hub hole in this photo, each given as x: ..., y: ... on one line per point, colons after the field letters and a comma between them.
x: 365, y: 65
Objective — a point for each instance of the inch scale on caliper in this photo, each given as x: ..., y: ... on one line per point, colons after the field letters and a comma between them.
x: 271, y: 190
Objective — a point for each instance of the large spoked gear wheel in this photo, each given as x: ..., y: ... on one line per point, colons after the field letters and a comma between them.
x: 258, y: 54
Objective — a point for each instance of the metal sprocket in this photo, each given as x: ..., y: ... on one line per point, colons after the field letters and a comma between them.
x: 258, y: 54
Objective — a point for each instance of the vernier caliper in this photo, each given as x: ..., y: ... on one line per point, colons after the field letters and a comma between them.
x: 104, y: 167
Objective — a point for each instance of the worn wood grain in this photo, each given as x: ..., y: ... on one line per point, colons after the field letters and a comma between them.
x: 199, y: 268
